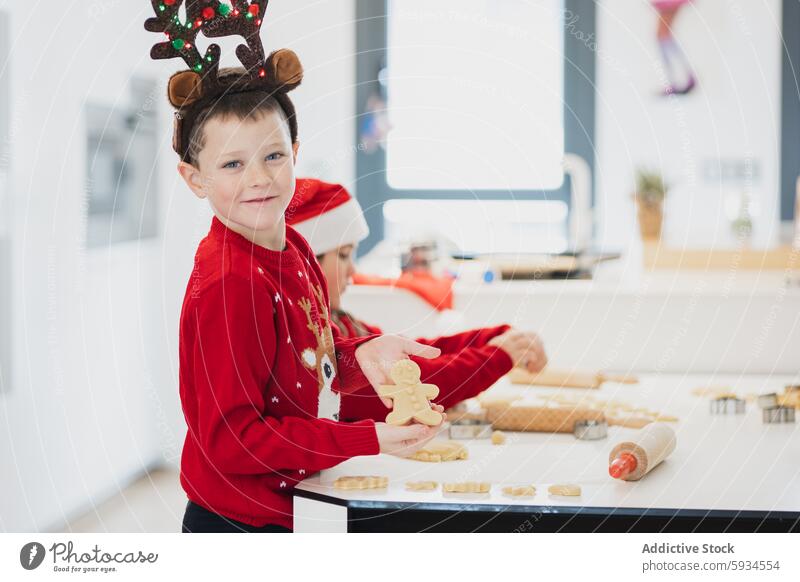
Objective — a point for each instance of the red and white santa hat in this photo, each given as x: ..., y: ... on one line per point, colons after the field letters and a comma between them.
x: 326, y: 215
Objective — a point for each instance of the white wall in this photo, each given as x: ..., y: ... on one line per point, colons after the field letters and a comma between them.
x: 93, y: 396
x: 734, y: 47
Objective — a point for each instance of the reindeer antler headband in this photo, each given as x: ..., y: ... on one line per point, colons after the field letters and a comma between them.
x: 192, y: 91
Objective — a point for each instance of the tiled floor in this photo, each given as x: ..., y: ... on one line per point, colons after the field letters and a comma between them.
x: 153, y: 504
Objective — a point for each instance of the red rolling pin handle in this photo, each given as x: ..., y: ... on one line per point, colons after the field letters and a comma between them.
x: 622, y: 466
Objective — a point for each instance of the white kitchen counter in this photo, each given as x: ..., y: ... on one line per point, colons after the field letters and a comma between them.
x: 667, y: 321
x: 722, y: 465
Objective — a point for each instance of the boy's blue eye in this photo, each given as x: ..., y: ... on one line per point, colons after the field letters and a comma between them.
x: 275, y: 156
x: 231, y: 164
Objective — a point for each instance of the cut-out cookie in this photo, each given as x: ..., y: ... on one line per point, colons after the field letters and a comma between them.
x: 361, y: 482
x: 565, y: 490
x: 498, y: 437
x: 439, y: 451
x: 421, y: 485
x: 410, y: 397
x: 526, y: 491
x: 467, y: 487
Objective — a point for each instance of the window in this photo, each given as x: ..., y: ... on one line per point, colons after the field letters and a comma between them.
x: 475, y: 94
x: 472, y: 100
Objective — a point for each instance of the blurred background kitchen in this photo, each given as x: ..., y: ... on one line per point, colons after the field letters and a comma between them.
x: 619, y: 176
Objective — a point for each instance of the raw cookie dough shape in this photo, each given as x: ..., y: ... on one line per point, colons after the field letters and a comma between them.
x: 467, y: 487
x: 410, y: 397
x: 498, y: 437
x: 361, y: 482
x: 526, y: 491
x: 439, y: 451
x: 421, y: 485
x: 565, y: 490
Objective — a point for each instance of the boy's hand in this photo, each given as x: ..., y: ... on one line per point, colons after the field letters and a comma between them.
x: 377, y: 356
x: 525, y: 349
x: 403, y: 441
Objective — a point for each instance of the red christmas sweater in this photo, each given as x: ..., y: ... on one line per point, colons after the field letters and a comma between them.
x: 467, y: 367
x: 259, y: 365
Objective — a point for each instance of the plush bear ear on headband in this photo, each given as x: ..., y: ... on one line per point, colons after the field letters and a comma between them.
x: 184, y: 88
x: 284, y: 67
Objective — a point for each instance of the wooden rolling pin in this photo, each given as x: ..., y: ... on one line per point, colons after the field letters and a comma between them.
x: 567, y: 378
x: 631, y: 460
x: 506, y: 416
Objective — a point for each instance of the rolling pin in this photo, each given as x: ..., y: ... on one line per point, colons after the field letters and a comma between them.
x: 538, y: 418
x: 567, y: 378
x: 631, y: 460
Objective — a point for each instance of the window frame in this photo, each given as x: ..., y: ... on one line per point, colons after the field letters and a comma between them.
x: 372, y: 188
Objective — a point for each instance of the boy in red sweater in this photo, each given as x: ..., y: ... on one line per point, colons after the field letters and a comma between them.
x: 332, y: 222
x: 261, y: 369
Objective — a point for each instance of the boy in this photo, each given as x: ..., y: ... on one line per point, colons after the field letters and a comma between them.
x: 332, y: 222
x: 260, y: 367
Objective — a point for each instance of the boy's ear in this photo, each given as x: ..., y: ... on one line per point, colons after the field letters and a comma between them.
x: 295, y: 147
x: 191, y: 176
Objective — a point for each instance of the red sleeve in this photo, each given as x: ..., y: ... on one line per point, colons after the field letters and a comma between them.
x: 464, y: 374
x: 475, y: 338
x: 371, y: 328
x: 233, y: 357
x: 351, y: 378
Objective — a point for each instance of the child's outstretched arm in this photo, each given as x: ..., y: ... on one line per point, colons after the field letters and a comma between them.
x: 464, y: 374
x: 474, y: 360
x: 468, y: 367
x: 476, y: 338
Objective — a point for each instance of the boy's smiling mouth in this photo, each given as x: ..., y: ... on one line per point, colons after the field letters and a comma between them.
x: 260, y: 200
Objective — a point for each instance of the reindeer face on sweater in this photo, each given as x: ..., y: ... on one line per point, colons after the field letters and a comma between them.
x: 321, y: 358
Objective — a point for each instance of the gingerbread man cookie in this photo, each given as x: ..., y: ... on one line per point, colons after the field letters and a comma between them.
x: 411, y: 398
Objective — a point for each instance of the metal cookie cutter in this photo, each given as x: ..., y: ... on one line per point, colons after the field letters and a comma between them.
x: 767, y: 400
x: 590, y: 430
x: 470, y: 428
x: 727, y: 405
x: 777, y: 415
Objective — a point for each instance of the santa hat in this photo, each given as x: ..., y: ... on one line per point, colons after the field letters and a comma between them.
x: 326, y: 215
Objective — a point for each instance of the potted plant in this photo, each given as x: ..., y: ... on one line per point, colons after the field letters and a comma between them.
x: 649, y: 195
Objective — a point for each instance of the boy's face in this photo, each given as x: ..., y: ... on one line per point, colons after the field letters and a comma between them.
x: 246, y: 170
x: 337, y: 266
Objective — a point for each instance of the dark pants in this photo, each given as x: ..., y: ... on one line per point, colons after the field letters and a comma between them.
x: 198, y: 519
